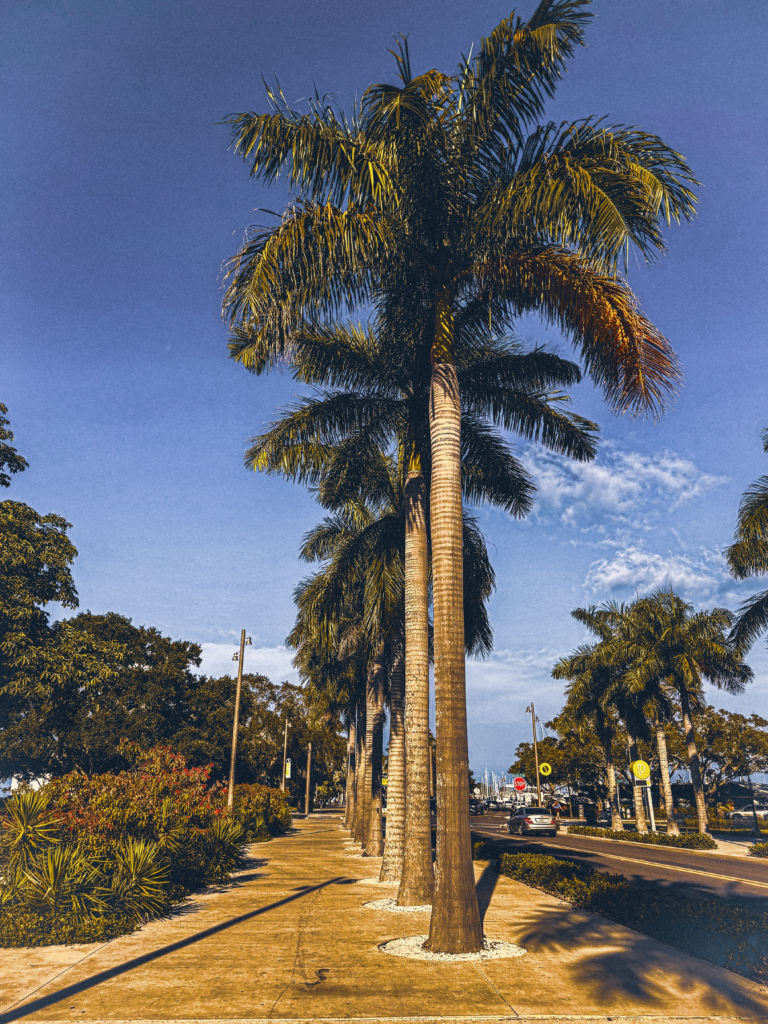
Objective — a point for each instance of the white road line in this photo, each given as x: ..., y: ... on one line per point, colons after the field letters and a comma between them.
x: 647, y: 863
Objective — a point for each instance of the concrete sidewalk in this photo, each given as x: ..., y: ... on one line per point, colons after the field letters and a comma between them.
x: 293, y: 941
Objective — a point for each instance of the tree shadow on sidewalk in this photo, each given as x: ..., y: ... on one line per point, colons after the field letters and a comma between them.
x: 612, y: 961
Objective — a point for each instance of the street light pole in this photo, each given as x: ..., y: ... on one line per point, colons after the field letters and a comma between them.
x: 238, y: 658
x: 535, y: 751
x: 309, y: 776
x: 285, y: 754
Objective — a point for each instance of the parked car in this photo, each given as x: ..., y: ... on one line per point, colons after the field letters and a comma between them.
x: 527, y: 820
x: 476, y: 806
x: 744, y: 814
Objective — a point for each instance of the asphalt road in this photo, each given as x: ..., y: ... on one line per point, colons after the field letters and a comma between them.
x: 737, y: 879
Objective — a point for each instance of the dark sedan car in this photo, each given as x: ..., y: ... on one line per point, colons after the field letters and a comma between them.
x: 476, y: 806
x: 528, y: 820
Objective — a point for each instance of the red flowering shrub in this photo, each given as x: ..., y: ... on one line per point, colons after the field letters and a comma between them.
x: 161, y: 800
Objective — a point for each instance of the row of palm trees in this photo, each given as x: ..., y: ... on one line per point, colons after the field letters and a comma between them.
x: 649, y: 664
x: 439, y: 204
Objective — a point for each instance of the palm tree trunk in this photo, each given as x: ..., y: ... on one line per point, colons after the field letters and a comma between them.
x: 349, y: 809
x: 362, y: 801
x: 613, y: 794
x: 455, y: 926
x: 661, y: 745
x: 637, y: 796
x: 374, y: 842
x: 417, y: 884
x: 693, y: 763
x: 392, y: 865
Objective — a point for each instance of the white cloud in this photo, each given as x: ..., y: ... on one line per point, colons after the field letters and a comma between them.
x: 615, y: 484
x: 273, y: 662
x: 635, y: 569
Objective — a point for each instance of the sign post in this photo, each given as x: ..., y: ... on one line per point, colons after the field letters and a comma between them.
x: 642, y: 771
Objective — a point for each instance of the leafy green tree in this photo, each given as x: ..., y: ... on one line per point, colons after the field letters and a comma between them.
x: 9, y: 457
x: 37, y: 656
x: 445, y: 188
x: 577, y: 762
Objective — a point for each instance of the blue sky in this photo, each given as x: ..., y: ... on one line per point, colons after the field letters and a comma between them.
x: 119, y: 201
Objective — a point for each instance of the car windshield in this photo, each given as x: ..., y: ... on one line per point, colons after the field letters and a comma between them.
x: 536, y: 810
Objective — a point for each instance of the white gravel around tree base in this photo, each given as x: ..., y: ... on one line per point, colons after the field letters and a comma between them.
x: 374, y: 881
x: 411, y: 949
x: 392, y: 905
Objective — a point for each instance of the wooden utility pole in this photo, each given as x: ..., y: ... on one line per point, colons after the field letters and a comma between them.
x: 239, y: 658
x: 309, y: 778
x: 535, y: 751
x: 285, y: 755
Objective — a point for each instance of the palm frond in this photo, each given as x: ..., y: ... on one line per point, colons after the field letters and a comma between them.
x: 503, y: 87
x: 622, y: 351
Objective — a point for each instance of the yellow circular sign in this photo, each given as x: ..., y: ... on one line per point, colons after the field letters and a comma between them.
x: 641, y: 769
x: 545, y: 769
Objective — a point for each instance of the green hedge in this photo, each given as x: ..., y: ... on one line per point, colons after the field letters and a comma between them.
x: 693, y: 841
x: 725, y: 934
x: 758, y: 850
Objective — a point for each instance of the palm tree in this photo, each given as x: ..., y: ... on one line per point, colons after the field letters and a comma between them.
x: 382, y: 396
x: 748, y: 556
x: 364, y: 550
x: 588, y: 710
x: 443, y: 188
x: 600, y: 674
x: 670, y: 642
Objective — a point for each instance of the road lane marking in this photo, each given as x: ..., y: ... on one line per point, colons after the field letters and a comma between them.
x: 647, y: 863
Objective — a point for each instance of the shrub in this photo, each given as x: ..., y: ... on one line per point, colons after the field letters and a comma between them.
x: 485, y: 851
x: 758, y: 850
x: 710, y: 928
x: 695, y: 841
x: 89, y: 857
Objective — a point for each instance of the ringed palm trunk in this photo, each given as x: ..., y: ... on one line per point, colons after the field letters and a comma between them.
x: 392, y: 865
x: 673, y: 828
x: 362, y: 802
x: 417, y: 884
x: 367, y: 749
x: 374, y: 841
x: 613, y: 790
x: 693, y: 763
x: 349, y: 809
x: 637, y: 795
x: 455, y: 926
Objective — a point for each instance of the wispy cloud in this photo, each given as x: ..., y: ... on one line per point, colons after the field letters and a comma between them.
x: 273, y: 662
x: 636, y: 569
x: 616, y: 484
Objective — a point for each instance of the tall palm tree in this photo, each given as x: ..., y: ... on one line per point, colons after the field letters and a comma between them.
x: 378, y: 396
x: 748, y: 556
x: 444, y: 188
x: 588, y: 709
x: 670, y: 642
x: 600, y: 671
x: 364, y: 548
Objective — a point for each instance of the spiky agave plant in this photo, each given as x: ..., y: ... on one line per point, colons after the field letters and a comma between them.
x: 139, y: 886
x: 28, y: 826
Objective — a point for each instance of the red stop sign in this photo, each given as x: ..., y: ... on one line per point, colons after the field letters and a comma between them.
x: 519, y: 784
